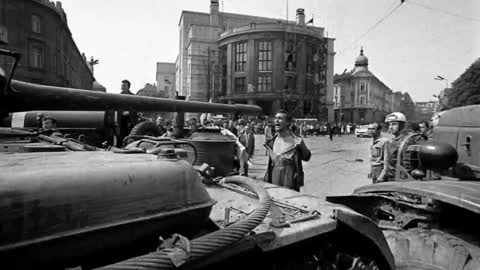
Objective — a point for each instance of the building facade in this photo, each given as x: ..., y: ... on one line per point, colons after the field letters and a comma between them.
x: 166, y: 79
x: 235, y: 58
x: 425, y: 110
x: 360, y: 97
x: 38, y: 30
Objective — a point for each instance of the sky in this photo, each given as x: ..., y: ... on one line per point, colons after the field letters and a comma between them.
x: 418, y: 41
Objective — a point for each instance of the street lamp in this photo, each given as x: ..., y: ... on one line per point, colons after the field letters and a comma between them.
x: 440, y: 78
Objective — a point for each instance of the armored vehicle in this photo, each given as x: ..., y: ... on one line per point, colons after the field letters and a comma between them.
x: 67, y: 204
x: 431, y: 213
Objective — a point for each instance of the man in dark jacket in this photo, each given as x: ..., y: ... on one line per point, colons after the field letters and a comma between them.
x: 247, y: 139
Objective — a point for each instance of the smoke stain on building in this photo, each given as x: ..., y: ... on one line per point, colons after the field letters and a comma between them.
x: 273, y: 63
x: 38, y: 30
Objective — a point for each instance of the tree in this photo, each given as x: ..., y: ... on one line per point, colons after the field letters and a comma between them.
x: 466, y: 89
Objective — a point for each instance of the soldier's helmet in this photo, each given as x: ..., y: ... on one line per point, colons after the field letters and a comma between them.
x: 395, y: 117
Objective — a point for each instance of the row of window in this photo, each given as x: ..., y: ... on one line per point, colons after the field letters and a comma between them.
x: 264, y: 49
x: 264, y: 84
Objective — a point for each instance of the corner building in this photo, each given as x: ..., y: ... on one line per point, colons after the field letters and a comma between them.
x: 360, y: 97
x: 234, y: 58
x: 38, y: 30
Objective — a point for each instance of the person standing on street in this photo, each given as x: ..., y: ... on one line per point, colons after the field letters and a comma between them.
x: 247, y: 139
x: 287, y: 152
x: 332, y: 131
x: 268, y: 134
x: 377, y: 157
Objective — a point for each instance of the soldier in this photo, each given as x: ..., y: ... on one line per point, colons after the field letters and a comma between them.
x: 398, y: 127
x: 377, y: 157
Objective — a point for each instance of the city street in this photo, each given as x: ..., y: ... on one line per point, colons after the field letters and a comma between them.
x: 336, y: 167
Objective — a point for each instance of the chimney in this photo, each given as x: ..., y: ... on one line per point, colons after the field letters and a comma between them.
x: 214, y: 6
x: 58, y: 4
x: 214, y: 15
x: 301, y: 16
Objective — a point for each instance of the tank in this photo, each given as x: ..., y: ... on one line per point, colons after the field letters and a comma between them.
x: 437, y: 202
x: 67, y: 204
x: 215, y: 149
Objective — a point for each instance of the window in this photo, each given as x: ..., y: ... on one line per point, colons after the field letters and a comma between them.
x: 264, y: 55
x: 240, y: 85
x: 310, y: 89
x: 240, y: 56
x: 310, y: 56
x: 362, y: 100
x: 3, y: 34
x: 291, y: 82
x: 36, y: 24
x: 36, y: 56
x: 291, y: 55
x: 264, y: 83
x: 223, y: 61
x: 362, y: 87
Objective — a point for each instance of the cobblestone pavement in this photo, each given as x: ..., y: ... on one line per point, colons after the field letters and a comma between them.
x: 336, y: 167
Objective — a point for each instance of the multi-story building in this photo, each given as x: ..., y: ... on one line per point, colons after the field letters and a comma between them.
x: 273, y: 63
x: 166, y: 79
x: 360, y: 97
x: 38, y: 30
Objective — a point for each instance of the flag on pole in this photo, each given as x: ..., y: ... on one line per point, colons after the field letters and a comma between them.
x: 310, y: 21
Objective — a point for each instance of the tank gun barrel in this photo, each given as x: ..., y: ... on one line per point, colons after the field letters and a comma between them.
x: 23, y: 96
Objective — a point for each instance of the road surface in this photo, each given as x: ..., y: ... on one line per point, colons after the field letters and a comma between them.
x: 336, y: 167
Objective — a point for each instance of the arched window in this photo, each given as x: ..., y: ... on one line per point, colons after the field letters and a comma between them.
x: 36, y: 24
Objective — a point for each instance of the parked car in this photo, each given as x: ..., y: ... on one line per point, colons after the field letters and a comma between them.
x: 362, y: 131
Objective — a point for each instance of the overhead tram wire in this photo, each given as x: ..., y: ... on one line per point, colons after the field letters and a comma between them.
x: 382, y: 19
x: 443, y: 11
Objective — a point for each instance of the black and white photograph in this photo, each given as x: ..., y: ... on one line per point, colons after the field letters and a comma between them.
x: 240, y: 134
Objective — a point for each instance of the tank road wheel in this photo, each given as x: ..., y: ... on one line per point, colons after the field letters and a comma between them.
x: 146, y: 128
x: 419, y: 249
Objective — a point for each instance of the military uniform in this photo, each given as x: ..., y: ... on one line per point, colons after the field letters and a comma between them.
x: 392, y: 154
x: 377, y: 158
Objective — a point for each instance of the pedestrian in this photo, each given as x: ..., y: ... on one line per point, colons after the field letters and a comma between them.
x: 303, y: 130
x: 161, y: 125
x: 127, y: 119
x: 377, y: 150
x: 425, y: 130
x: 247, y: 139
x: 169, y: 133
x: 286, y: 153
x: 331, y: 131
x: 268, y: 134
